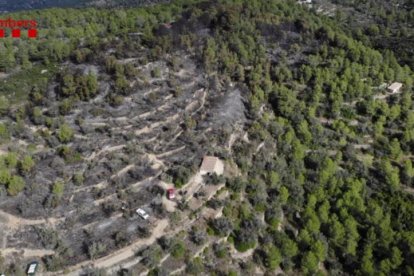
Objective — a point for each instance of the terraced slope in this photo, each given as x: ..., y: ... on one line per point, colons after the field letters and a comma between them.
x: 122, y: 152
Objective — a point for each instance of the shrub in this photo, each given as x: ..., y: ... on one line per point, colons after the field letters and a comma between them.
x: 11, y: 159
x: 4, y: 105
x: 27, y: 164
x: 78, y: 179
x: 4, y: 132
x: 195, y: 267
x: 220, y: 250
x: 221, y: 226
x: 65, y: 133
x: 4, y: 177
x: 151, y: 255
x: 16, y: 185
x: 243, y: 246
x: 178, y: 250
x: 58, y: 188
x: 198, y: 236
x: 180, y: 175
x: 95, y: 249
x: 158, y: 271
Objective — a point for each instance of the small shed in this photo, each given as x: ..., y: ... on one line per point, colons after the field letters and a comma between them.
x: 211, y: 165
x: 395, y: 87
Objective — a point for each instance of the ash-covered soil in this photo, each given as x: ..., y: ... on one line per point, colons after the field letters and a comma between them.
x: 122, y: 155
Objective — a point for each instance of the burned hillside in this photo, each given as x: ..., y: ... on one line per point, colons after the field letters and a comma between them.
x: 205, y: 137
x: 90, y: 186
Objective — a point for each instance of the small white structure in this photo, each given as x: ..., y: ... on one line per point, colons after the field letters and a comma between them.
x: 395, y: 87
x: 211, y: 165
x: 142, y: 213
x: 32, y: 268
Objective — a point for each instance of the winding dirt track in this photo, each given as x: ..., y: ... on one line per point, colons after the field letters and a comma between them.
x: 117, y: 256
x: 28, y: 253
x: 14, y: 222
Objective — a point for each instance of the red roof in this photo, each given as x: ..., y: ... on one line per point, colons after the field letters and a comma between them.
x: 171, y: 193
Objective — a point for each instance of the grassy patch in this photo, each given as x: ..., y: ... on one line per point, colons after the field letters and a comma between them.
x: 17, y: 86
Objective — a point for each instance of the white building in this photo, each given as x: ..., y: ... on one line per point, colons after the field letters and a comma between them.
x: 395, y: 87
x: 211, y: 165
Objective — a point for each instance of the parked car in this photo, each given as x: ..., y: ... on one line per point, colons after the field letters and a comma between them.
x: 171, y: 193
x: 142, y: 213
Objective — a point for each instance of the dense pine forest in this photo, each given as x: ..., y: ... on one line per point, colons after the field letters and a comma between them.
x: 385, y: 26
x: 324, y: 182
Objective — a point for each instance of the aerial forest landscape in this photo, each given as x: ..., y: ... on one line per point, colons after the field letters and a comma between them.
x: 206, y: 137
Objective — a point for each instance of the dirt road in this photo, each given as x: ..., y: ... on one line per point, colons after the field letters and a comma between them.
x: 27, y: 253
x: 120, y: 255
x: 14, y: 222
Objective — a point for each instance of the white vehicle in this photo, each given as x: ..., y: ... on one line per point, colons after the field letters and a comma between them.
x: 142, y: 213
x: 32, y: 268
